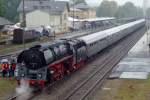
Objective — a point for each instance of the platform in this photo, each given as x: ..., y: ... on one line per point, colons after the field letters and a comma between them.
x: 136, y: 65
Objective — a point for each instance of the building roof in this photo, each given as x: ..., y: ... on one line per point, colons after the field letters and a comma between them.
x: 4, y: 21
x: 54, y: 7
x: 99, y: 19
x: 82, y: 6
x: 91, y: 19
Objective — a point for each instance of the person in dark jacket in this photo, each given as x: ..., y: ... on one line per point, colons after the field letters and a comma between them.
x: 12, y: 67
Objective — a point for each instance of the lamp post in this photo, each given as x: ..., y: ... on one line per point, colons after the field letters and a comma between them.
x: 144, y: 8
x: 73, y: 14
x: 23, y: 22
x: 147, y: 21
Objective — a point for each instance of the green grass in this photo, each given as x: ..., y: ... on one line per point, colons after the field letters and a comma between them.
x: 124, y: 89
x: 6, y: 88
x: 134, y: 90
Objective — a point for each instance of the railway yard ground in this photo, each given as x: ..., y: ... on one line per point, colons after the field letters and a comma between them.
x: 112, y: 89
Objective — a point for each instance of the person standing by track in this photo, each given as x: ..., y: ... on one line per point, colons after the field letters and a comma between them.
x: 12, y: 67
x: 5, y: 68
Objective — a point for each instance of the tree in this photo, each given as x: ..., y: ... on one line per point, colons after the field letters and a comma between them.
x: 128, y: 10
x: 2, y: 10
x: 139, y: 12
x: 11, y: 9
x: 111, y: 9
x: 107, y: 9
x: 148, y: 13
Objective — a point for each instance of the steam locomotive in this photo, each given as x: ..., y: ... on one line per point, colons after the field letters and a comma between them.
x: 44, y: 64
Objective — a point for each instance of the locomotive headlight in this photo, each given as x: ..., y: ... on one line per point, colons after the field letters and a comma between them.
x: 39, y: 75
x: 52, y: 72
x: 22, y: 75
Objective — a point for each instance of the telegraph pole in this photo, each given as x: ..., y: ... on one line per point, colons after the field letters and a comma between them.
x: 24, y: 22
x: 147, y: 21
x: 144, y: 8
x: 73, y: 13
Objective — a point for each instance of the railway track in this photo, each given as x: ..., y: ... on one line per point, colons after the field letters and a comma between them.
x: 29, y: 96
x: 8, y: 56
x: 24, y: 97
x: 13, y: 98
x: 97, y: 77
x: 85, y: 88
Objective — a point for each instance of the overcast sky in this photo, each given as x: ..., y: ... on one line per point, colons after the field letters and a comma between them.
x: 120, y: 2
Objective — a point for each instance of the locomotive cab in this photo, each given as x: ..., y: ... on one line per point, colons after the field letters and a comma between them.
x: 79, y: 52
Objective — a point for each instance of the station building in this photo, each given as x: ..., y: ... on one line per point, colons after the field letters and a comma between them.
x: 46, y: 13
x: 82, y: 11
